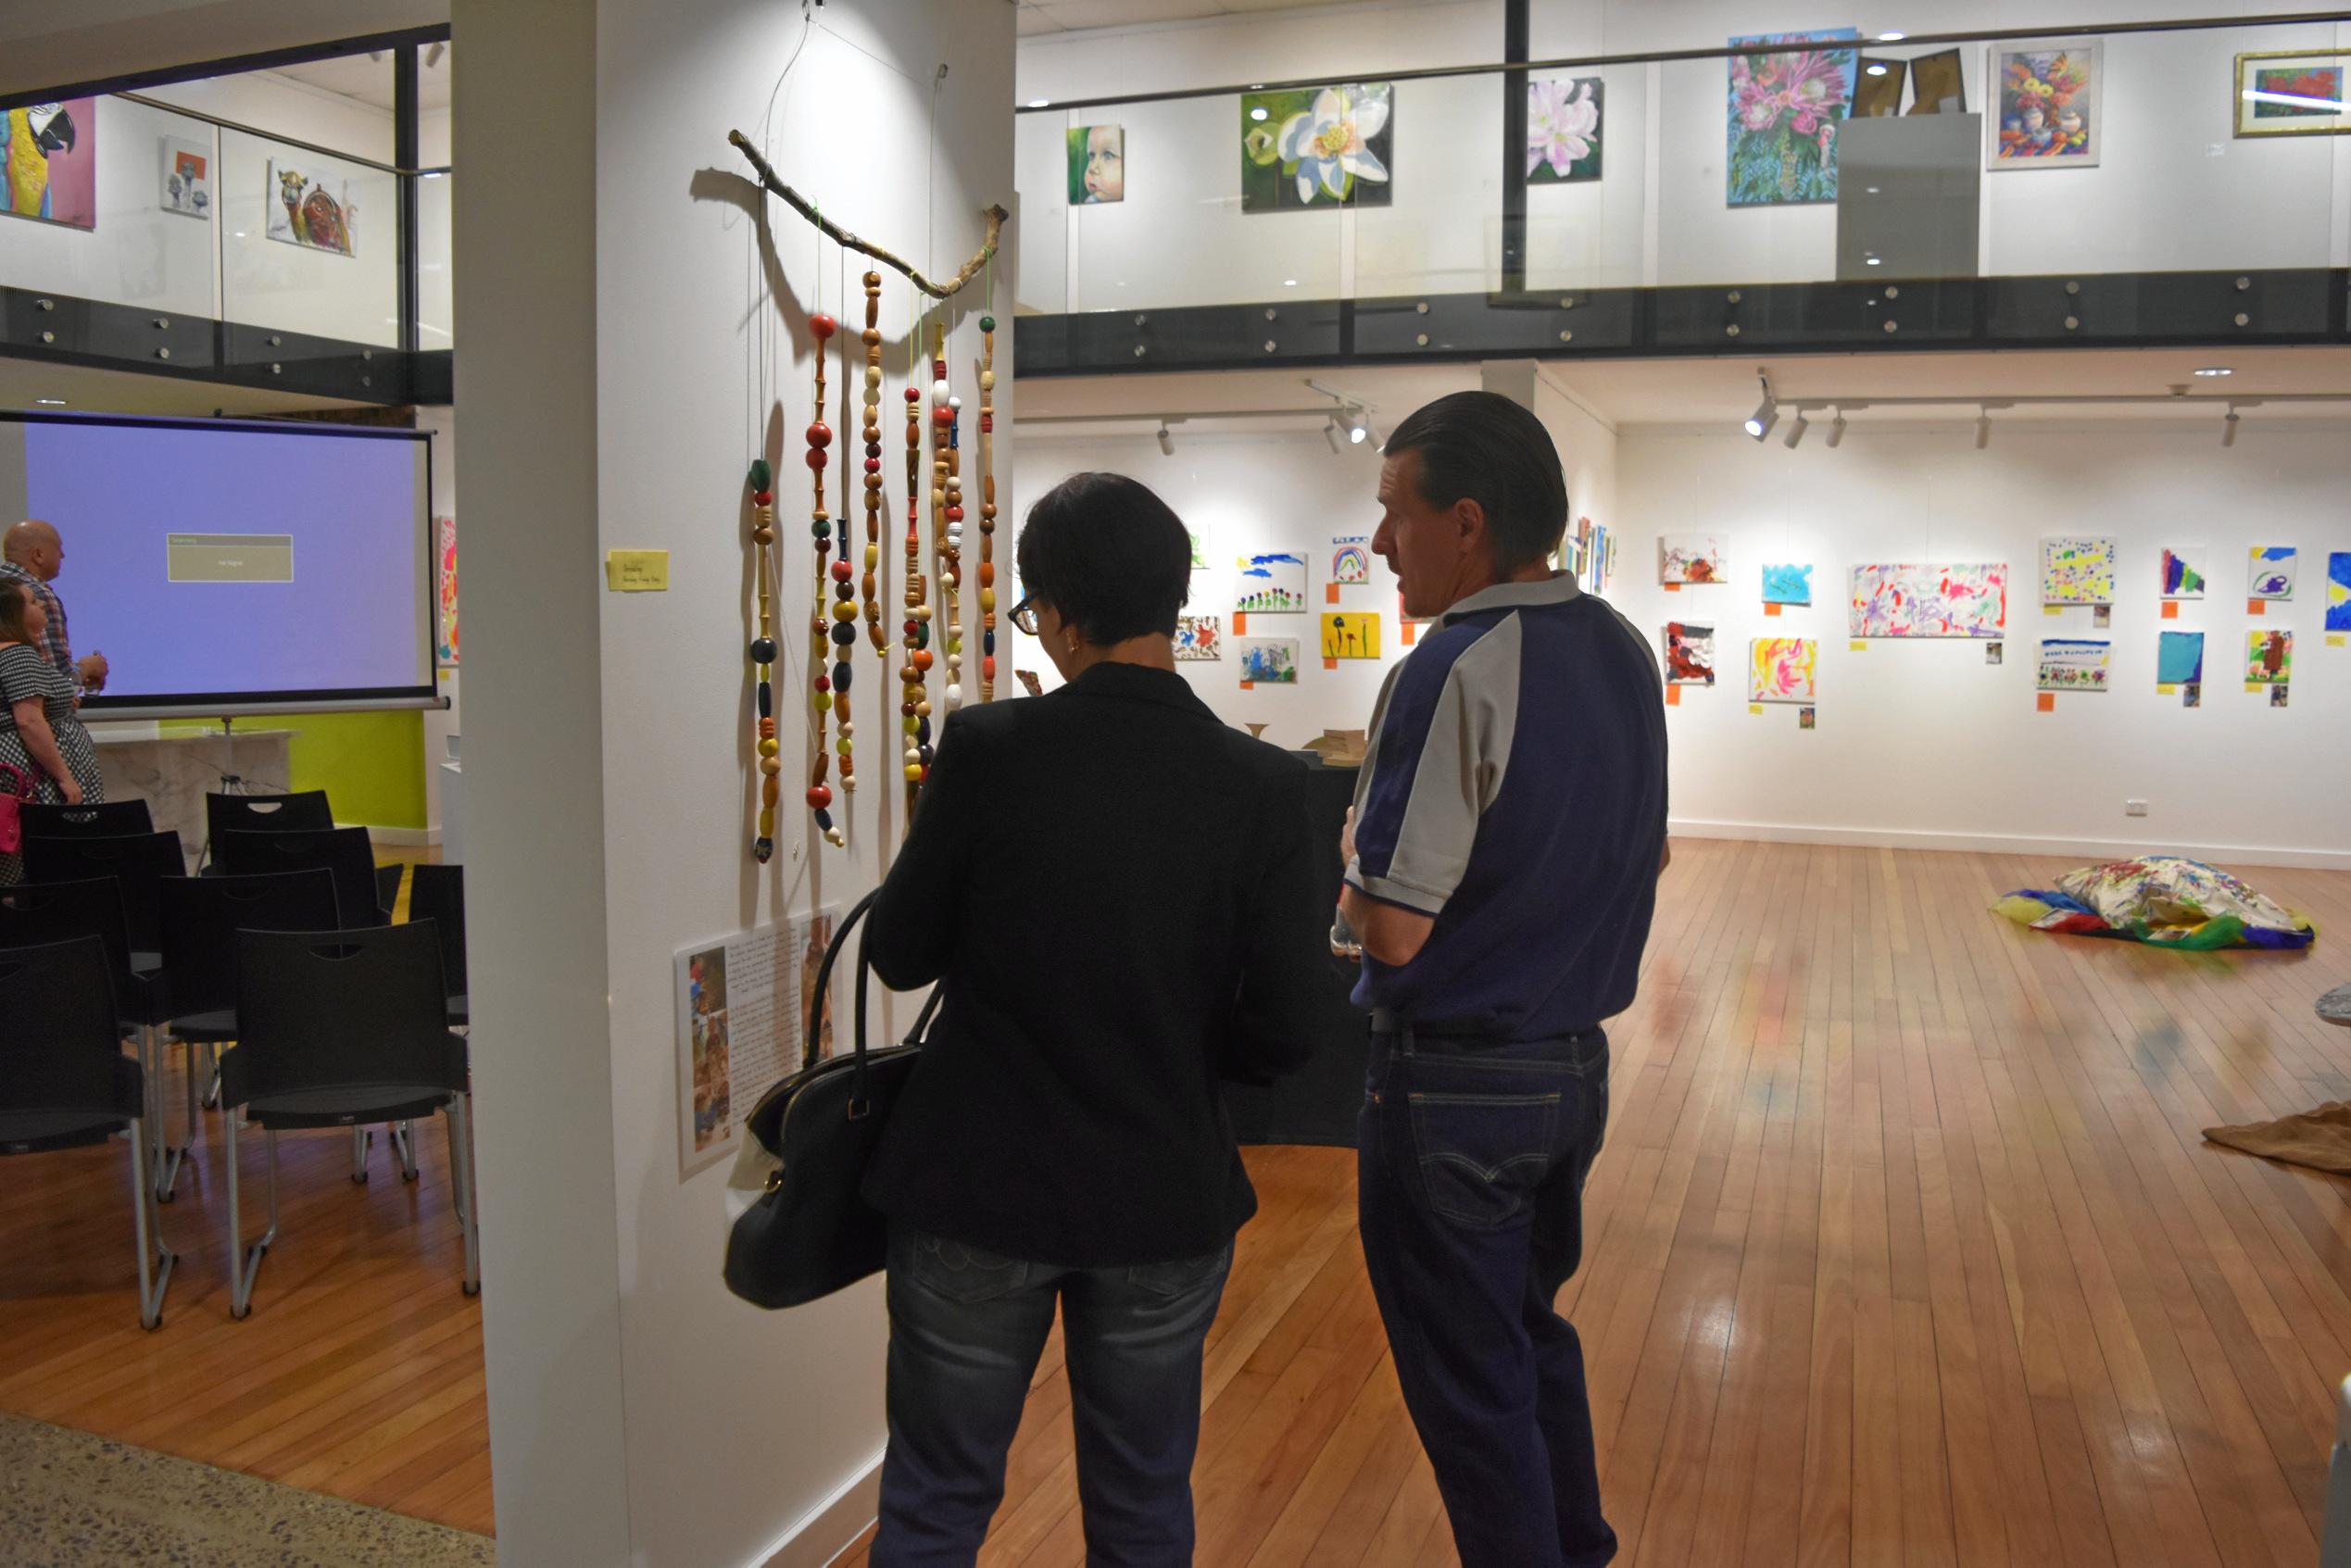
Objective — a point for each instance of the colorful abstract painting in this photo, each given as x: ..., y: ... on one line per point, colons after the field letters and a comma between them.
x: 1269, y: 662
x: 1198, y: 638
x: 1273, y: 585
x: 1690, y: 557
x: 2185, y: 569
x: 1782, y: 116
x: 188, y: 177
x: 2268, y: 656
x: 1782, y: 669
x: 445, y: 637
x: 1317, y: 147
x: 49, y: 162
x: 1097, y: 164
x: 1351, y: 560
x: 1351, y: 635
x: 1562, y: 130
x: 2180, y: 658
x: 2076, y: 571
x: 1787, y: 585
x: 2048, y: 108
x: 1590, y: 551
x: 2273, y: 570
x: 304, y: 209
x: 1959, y: 600
x: 1689, y: 654
x: 2339, y: 591
x: 2070, y: 664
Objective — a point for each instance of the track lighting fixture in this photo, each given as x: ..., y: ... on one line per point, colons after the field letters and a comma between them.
x: 1983, y: 429
x: 1330, y: 434
x: 2228, y: 427
x: 1767, y: 412
x: 1358, y: 426
x: 1837, y: 430
x: 433, y: 56
x: 1166, y: 442
x: 1797, y: 429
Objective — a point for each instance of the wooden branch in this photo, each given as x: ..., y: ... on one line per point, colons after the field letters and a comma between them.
x: 800, y: 203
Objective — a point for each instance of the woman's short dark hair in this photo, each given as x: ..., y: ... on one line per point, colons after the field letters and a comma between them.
x: 1109, y: 555
x: 16, y: 609
x: 1482, y: 446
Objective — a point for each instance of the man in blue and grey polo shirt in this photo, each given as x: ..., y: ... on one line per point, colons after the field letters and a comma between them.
x: 1502, y: 867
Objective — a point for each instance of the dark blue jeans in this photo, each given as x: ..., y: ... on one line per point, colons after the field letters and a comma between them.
x: 1472, y: 1165
x: 966, y: 1330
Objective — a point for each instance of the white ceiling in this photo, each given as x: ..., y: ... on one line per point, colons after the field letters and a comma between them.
x: 370, y: 80
x: 1071, y: 16
x: 87, y: 391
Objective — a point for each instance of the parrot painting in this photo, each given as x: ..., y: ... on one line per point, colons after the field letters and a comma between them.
x: 29, y: 136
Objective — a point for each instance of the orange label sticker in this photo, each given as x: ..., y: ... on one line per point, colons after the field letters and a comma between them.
x: 2171, y: 609
x: 1249, y: 686
x: 1241, y: 623
x: 1672, y: 696
x: 1771, y: 609
x: 2256, y: 606
x: 1330, y: 593
x: 2048, y: 702
x: 1330, y: 664
x: 1673, y: 587
x: 1412, y: 631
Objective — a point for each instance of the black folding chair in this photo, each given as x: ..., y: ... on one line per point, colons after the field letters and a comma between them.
x: 346, y: 852
x: 303, y: 812
x: 138, y: 861
x: 64, y: 1083
x: 342, y: 1029
x: 387, y: 886
x: 437, y: 893
x: 107, y: 817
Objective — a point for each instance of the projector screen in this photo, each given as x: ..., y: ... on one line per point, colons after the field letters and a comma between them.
x: 226, y: 567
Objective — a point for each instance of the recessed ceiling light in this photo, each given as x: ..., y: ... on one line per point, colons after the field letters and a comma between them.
x: 1039, y: 103
x: 1290, y: 282
x: 1873, y: 260
x: 51, y: 402
x: 1891, y: 37
x: 1870, y: 190
x: 2216, y: 370
x: 1257, y: 113
x: 1876, y: 67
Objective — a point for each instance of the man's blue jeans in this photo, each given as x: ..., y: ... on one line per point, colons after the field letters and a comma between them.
x: 966, y: 1330
x: 1472, y: 1160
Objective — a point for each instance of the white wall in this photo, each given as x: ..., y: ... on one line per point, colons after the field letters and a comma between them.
x: 139, y: 254
x: 638, y: 1412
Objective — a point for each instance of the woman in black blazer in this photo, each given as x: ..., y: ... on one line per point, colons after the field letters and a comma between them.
x: 1117, y: 892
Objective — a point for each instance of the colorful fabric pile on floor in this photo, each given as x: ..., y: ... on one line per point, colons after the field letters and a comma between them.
x: 2161, y: 900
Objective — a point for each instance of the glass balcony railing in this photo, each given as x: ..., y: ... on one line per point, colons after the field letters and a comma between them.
x: 1833, y: 159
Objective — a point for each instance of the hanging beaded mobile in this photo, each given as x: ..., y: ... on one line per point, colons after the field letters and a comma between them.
x: 761, y: 482
x: 873, y: 433
x: 987, y: 507
x: 947, y: 502
x: 825, y: 690
x: 915, y: 708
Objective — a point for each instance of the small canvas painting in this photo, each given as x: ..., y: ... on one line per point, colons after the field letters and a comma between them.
x: 1097, y: 164
x: 444, y: 649
x: 1351, y: 560
x: 1787, y: 585
x: 1690, y: 557
x: 2070, y: 664
x: 1562, y: 130
x: 49, y: 162
x: 1782, y: 116
x: 188, y: 177
x: 1589, y: 550
x: 2268, y: 656
x: 2293, y: 92
x: 1269, y: 662
x: 2076, y: 571
x: 1689, y: 654
x: 2048, y: 108
x: 2180, y: 658
x: 1959, y: 600
x: 1351, y: 635
x: 1782, y: 669
x: 1197, y: 639
x: 2273, y: 572
x: 1317, y: 147
x: 2183, y: 570
x: 307, y: 211
x: 1273, y: 585
x: 2339, y: 591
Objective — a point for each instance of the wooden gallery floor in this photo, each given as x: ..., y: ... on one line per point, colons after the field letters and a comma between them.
x: 1904, y: 1250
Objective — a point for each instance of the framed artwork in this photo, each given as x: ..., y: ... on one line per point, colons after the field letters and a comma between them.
x: 1273, y: 585
x: 444, y: 635
x: 1355, y: 634
x: 2273, y: 570
x: 1317, y: 147
x: 2180, y: 658
x: 1877, y: 93
x: 2339, y: 591
x: 1588, y: 549
x: 2069, y: 664
x: 1690, y: 557
x: 1562, y: 130
x: 1966, y: 600
x: 1787, y: 585
x: 1782, y: 669
x: 1938, y: 85
x: 49, y: 162
x: 1689, y: 654
x: 188, y: 177
x: 2047, y: 108
x: 1097, y: 164
x: 1198, y: 639
x: 1351, y: 560
x: 2268, y: 658
x: 1271, y: 661
x: 2293, y: 92
x: 1785, y: 101
x: 2077, y: 571
x: 309, y: 212
x: 2184, y: 567
x: 1198, y: 560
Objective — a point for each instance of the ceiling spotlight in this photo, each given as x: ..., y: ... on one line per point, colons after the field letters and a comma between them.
x: 1796, y: 429
x: 2228, y: 427
x: 2216, y: 370
x: 1983, y: 429
x: 1894, y: 37
x: 1766, y: 415
x: 51, y: 402
x: 1257, y: 113
x: 1875, y: 68
x: 1358, y: 426
x: 1330, y: 434
x: 1837, y: 430
x: 433, y: 56
x: 1039, y: 103
x: 1166, y: 442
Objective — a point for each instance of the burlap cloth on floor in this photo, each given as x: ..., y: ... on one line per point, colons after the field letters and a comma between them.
x: 2320, y: 1139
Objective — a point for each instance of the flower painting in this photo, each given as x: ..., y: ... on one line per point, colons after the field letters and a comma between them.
x: 1562, y: 130
x: 1197, y: 638
x: 1317, y: 147
x: 1782, y: 669
x: 1690, y: 557
x: 49, y: 162
x: 306, y: 210
x: 1689, y: 654
x: 2268, y: 658
x: 1097, y: 164
x: 1273, y: 585
x: 1783, y: 111
x: 1351, y: 635
x: 2183, y: 570
x: 2070, y: 664
x: 2047, y: 109
x: 2293, y: 92
x: 2077, y: 571
x: 1970, y: 600
x: 1269, y: 662
x: 2272, y: 571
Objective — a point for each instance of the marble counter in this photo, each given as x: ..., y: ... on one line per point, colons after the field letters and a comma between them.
x: 173, y: 774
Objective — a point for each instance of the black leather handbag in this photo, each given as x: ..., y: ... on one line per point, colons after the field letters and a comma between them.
x: 811, y: 1233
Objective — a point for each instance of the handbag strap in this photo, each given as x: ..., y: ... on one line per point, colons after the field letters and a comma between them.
x: 812, y: 1032
x: 26, y: 787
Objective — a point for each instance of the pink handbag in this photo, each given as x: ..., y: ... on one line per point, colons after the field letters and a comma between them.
x: 19, y: 787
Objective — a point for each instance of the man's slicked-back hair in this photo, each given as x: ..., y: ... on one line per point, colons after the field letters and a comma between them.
x: 1483, y: 447
x: 1111, y: 557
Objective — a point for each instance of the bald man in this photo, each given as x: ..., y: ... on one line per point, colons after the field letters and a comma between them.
x: 34, y: 555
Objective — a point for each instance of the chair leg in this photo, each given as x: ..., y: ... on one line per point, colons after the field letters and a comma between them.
x: 166, y: 1175
x: 404, y: 1148
x: 458, y: 1114
x: 147, y: 1228
x: 212, y: 1083
x: 361, y: 1139
x: 245, y: 1261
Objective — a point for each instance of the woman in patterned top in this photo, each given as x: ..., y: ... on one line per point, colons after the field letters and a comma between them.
x: 39, y: 731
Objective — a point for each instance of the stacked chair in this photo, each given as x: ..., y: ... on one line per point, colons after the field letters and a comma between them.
x: 82, y: 821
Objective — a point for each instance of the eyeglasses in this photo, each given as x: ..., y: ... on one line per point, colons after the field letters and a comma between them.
x: 1024, y: 615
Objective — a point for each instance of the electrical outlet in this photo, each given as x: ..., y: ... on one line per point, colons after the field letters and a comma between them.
x: 2134, y: 808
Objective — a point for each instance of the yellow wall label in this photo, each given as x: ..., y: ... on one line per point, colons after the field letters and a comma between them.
x: 1756, y: 708
x: 1859, y: 646
x: 2337, y: 640
x: 2053, y: 609
x: 637, y: 572
x: 2165, y: 688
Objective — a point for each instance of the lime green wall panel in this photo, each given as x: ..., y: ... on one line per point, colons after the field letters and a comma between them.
x: 372, y: 765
